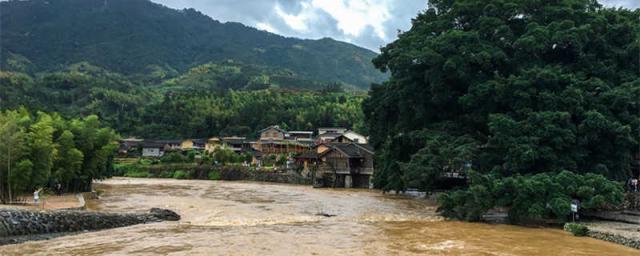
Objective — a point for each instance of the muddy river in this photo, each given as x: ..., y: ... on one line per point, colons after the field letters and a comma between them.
x: 245, y: 218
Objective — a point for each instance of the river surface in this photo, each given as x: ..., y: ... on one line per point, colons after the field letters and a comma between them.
x: 247, y: 218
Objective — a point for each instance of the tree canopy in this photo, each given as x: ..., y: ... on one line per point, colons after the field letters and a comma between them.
x: 227, y: 98
x: 43, y: 150
x: 538, y: 85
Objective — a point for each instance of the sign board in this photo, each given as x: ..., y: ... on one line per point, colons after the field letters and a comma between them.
x: 574, y: 207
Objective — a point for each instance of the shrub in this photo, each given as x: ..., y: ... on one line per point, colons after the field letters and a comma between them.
x: 225, y: 155
x: 180, y: 175
x: 531, y: 198
x: 135, y: 173
x: 214, y: 175
x: 576, y: 229
x: 174, y: 157
x: 233, y: 173
x: 131, y: 170
x: 166, y: 174
x: 145, y: 162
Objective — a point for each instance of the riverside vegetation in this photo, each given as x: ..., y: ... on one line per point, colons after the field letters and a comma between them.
x: 43, y: 150
x: 540, y: 98
x: 535, y: 101
x: 222, y: 164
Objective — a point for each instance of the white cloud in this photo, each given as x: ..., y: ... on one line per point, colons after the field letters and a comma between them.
x: 266, y: 27
x: 368, y: 23
x: 353, y: 16
x: 298, y: 21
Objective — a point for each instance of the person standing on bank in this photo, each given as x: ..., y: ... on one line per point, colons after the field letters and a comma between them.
x: 36, y: 197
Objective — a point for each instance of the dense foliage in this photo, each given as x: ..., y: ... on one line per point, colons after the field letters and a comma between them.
x: 576, y: 229
x: 213, y: 99
x: 44, y: 150
x: 512, y: 87
x: 150, y: 41
x: 532, y: 198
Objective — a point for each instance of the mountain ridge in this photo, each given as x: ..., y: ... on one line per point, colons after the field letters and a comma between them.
x: 129, y: 36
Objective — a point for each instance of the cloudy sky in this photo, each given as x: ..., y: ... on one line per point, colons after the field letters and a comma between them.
x: 367, y: 23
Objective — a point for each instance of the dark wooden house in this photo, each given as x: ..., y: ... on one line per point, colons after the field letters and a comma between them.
x: 345, y: 165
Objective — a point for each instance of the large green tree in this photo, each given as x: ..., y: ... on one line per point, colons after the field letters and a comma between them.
x: 541, y: 85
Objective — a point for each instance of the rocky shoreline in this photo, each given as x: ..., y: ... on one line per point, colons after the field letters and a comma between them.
x: 19, y: 225
x: 615, y: 238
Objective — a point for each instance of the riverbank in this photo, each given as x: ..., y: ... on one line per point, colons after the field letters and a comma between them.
x: 49, y: 202
x: 621, y: 227
x: 19, y: 225
x: 616, y: 232
x: 192, y: 171
x: 224, y: 217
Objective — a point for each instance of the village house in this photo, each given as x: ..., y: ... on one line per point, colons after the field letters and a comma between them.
x: 324, y: 130
x: 212, y: 144
x: 256, y: 158
x: 332, y: 138
x: 237, y: 144
x: 129, y: 146
x: 193, y: 144
x: 341, y: 135
x: 153, y: 149
x: 274, y: 140
x: 344, y: 165
x: 170, y: 145
x: 308, y: 161
x: 302, y: 136
x: 355, y: 137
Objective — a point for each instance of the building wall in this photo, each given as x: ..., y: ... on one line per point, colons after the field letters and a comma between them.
x: 187, y: 144
x: 272, y: 134
x: 151, y: 152
x: 331, y: 130
x: 211, y: 146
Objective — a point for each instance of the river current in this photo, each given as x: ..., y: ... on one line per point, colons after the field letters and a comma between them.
x: 248, y: 218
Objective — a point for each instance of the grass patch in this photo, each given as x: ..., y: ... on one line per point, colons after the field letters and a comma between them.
x: 135, y: 173
x: 181, y: 175
x: 214, y: 175
x: 576, y: 229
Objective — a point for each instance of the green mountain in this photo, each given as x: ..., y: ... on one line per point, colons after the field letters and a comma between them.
x: 141, y: 38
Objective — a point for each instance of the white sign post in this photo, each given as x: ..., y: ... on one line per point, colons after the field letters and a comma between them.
x: 574, y: 210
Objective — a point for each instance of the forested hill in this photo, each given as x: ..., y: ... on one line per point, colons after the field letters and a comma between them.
x: 138, y: 37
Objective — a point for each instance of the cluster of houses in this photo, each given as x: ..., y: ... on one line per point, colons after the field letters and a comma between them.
x: 332, y: 157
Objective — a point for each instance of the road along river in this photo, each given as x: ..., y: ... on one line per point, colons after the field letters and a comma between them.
x: 248, y: 218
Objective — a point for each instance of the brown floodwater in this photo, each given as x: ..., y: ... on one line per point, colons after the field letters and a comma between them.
x: 247, y: 218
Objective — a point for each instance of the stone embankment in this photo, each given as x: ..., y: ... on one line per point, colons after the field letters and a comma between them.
x: 621, y: 227
x: 17, y: 222
x: 614, y: 237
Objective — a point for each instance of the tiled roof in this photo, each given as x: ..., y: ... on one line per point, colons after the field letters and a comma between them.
x: 366, y: 147
x: 311, y: 154
x: 330, y: 135
x: 275, y: 127
x: 351, y: 150
x: 153, y: 144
